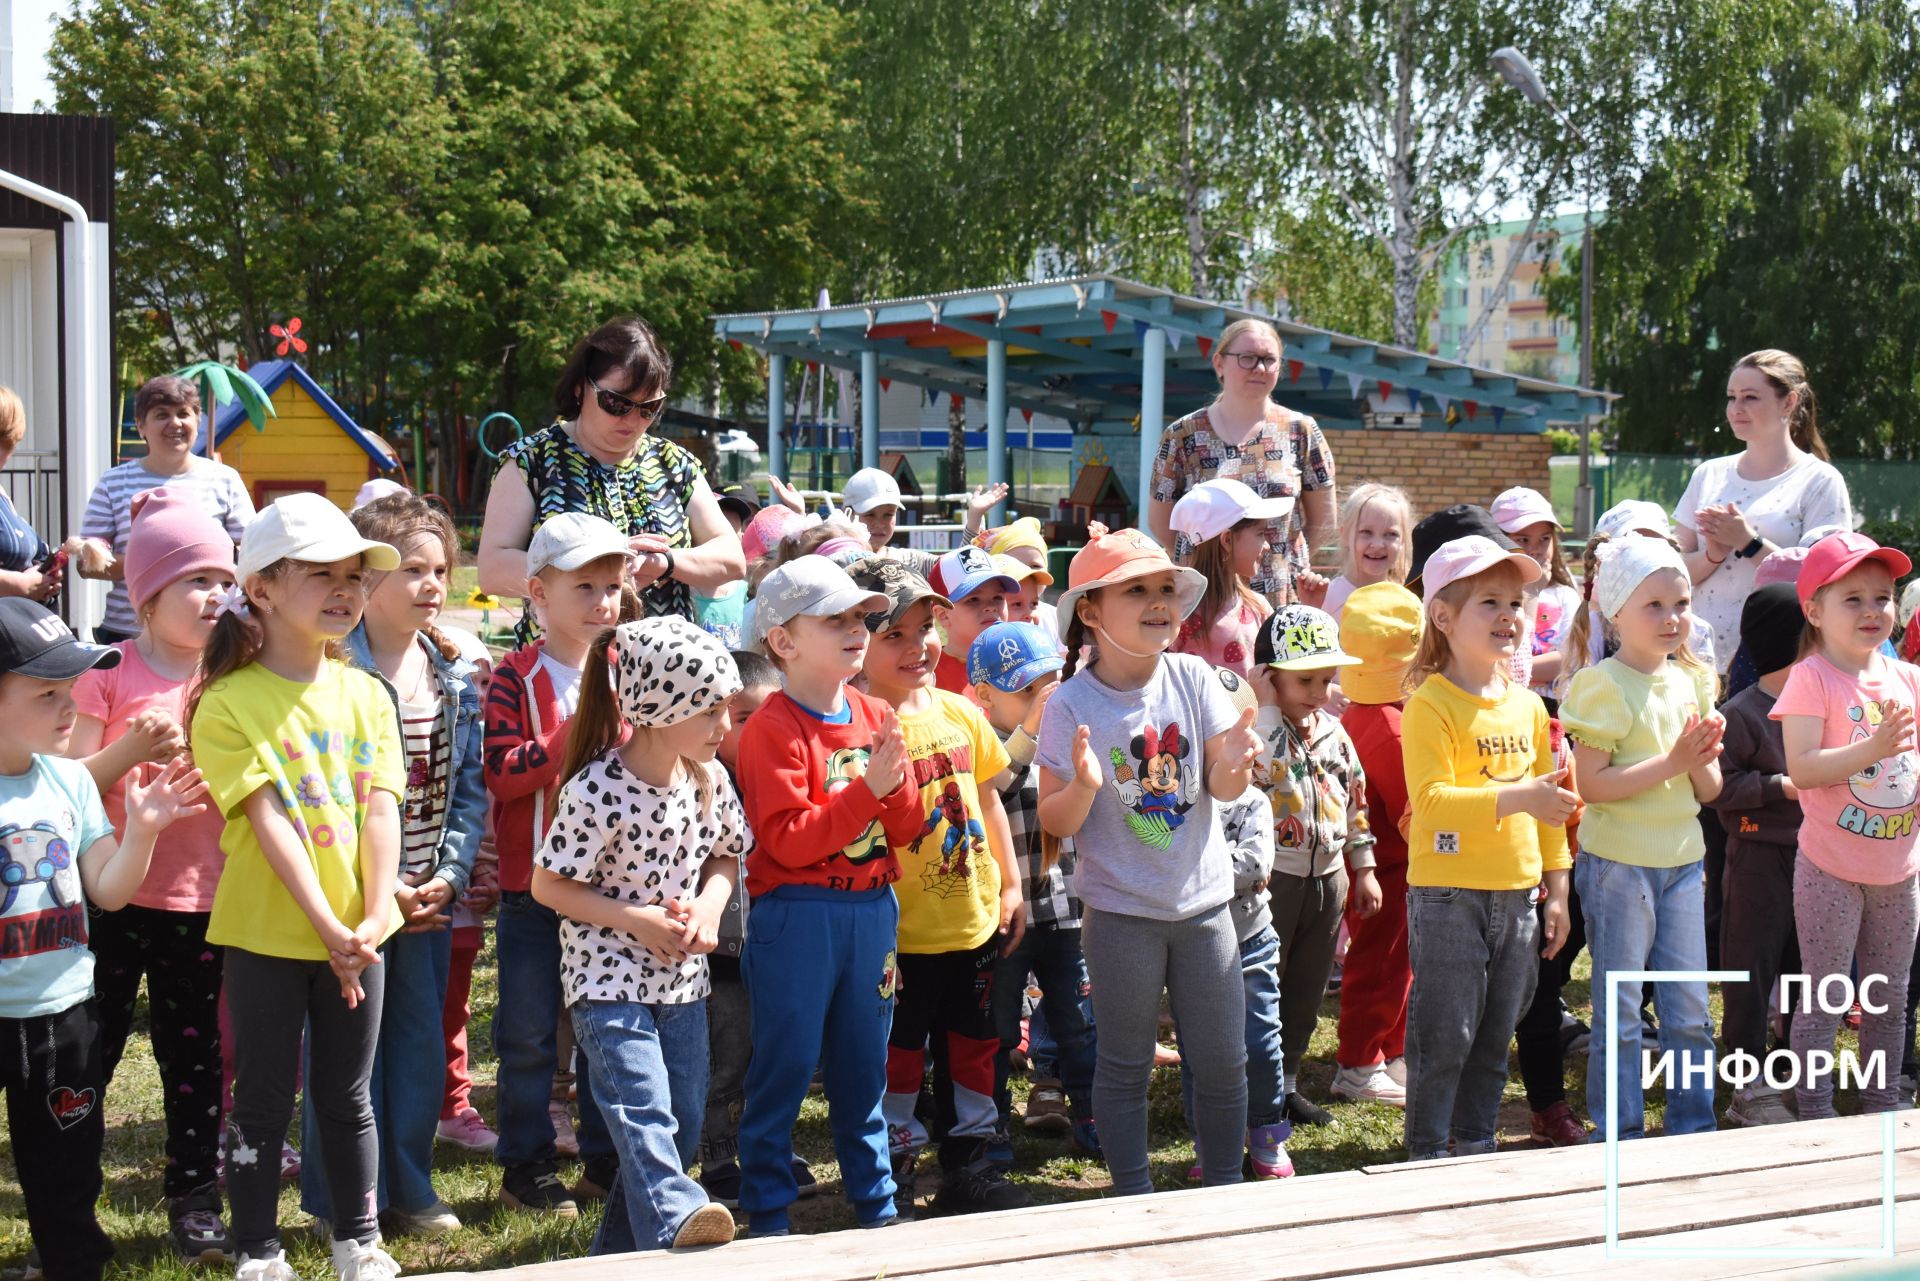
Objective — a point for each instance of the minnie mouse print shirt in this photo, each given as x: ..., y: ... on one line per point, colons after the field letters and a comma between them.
x: 1151, y: 845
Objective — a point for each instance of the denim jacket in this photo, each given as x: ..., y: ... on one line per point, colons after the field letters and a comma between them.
x: 466, y: 817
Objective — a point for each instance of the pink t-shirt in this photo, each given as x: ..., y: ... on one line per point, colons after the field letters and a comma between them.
x: 1863, y: 831
x: 187, y: 859
x: 1229, y: 641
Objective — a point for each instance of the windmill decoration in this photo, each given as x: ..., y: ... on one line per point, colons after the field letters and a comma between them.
x: 289, y: 336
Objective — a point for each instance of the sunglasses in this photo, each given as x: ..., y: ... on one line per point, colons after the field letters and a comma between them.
x: 616, y: 405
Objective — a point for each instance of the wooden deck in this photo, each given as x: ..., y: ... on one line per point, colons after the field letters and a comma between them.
x: 1514, y: 1214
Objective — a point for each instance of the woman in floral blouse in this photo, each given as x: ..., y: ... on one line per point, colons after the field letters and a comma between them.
x: 1245, y: 436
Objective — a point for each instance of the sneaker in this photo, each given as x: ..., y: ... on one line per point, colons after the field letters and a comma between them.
x: 999, y: 1149
x: 711, y: 1224
x: 564, y: 1141
x: 904, y: 1183
x: 272, y: 1267
x: 467, y: 1130
x: 1397, y: 1069
x: 1086, y: 1138
x: 1853, y: 1016
x: 596, y: 1178
x: 804, y: 1182
x: 435, y: 1220
x: 353, y: 1261
x: 1195, y: 1174
x: 978, y: 1186
x: 196, y: 1231
x: 1302, y: 1112
x: 722, y: 1183
x: 1905, y: 1086
x: 1370, y: 1083
x: 1557, y: 1125
x: 1334, y: 978
x: 1047, y: 1109
x: 1267, y: 1152
x: 538, y: 1189
x: 1758, y: 1107
x: 289, y: 1162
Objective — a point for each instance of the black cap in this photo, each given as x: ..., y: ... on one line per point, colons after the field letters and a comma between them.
x: 1450, y: 523
x: 1770, y: 625
x: 738, y: 499
x: 34, y: 642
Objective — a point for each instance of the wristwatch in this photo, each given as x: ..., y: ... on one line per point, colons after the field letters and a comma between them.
x: 667, y: 573
x: 1751, y: 549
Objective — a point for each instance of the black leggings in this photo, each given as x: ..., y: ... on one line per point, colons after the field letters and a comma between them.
x: 1541, y: 1068
x: 271, y: 1000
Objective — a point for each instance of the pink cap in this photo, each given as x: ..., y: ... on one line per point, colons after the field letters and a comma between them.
x: 1782, y: 566
x: 1517, y: 508
x: 172, y: 536
x: 768, y: 526
x: 1465, y: 557
x: 1837, y: 555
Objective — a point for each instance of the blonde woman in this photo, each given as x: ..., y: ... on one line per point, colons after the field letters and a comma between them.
x: 27, y: 567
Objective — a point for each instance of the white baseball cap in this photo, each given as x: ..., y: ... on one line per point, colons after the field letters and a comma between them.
x: 869, y: 488
x: 1519, y: 507
x: 377, y: 488
x: 1634, y: 513
x: 1213, y: 507
x: 1465, y: 557
x: 306, y: 527
x: 572, y: 539
x: 810, y: 585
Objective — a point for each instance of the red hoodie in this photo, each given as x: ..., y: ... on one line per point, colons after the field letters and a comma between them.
x: 814, y: 822
x: 1375, y: 731
x: 525, y: 738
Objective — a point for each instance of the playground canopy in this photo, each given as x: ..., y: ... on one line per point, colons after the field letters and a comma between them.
x: 1101, y: 349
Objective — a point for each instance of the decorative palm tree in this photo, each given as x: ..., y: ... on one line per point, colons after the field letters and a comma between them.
x: 220, y: 384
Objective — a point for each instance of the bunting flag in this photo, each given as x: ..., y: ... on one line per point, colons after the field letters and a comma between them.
x: 1174, y: 337
x: 1326, y: 378
x: 1206, y: 347
x: 886, y: 384
x: 1441, y: 401
x: 958, y: 402
x: 930, y: 394
x: 734, y: 343
x: 1028, y: 415
x: 1353, y: 386
x: 1413, y: 400
x: 813, y: 366
x: 1108, y: 318
x: 1140, y: 328
x: 1473, y: 409
x: 1499, y: 412
x: 1293, y: 370
x: 1386, y: 390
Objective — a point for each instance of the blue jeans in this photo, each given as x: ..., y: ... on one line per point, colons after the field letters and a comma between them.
x: 1266, y: 1083
x: 1052, y: 955
x: 527, y: 941
x: 652, y: 1062
x: 409, y: 1071
x: 1647, y: 918
x: 1476, y: 960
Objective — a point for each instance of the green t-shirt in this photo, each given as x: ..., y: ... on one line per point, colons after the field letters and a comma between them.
x: 324, y: 748
x: 1633, y: 716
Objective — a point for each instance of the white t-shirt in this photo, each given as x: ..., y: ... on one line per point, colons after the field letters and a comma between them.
x: 1554, y: 612
x: 1337, y: 592
x: 566, y: 684
x: 641, y: 844
x: 1806, y: 496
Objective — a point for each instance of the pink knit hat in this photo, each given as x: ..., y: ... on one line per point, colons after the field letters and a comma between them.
x: 172, y: 536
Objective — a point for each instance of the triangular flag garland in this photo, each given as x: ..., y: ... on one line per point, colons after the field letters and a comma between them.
x: 1441, y: 401
x: 1206, y: 347
x: 1326, y: 378
x: 1413, y: 400
x: 1027, y: 414
x: 1386, y: 390
x: 1499, y: 412
x: 1353, y: 385
x: 886, y: 384
x: 958, y: 402
x: 813, y: 366
x: 931, y: 394
x: 734, y: 343
x: 1108, y: 318
x: 1173, y: 338
x: 1140, y: 328
x: 1293, y: 370
x: 1473, y: 409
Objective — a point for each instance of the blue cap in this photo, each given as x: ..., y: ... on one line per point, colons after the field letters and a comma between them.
x: 1011, y: 656
x: 965, y: 570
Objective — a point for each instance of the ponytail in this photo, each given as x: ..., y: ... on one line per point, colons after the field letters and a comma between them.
x: 1579, y: 643
x: 1075, y: 640
x: 1789, y: 378
x: 236, y: 641
x: 597, y: 727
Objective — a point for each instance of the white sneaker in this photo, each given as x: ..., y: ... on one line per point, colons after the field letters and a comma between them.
x: 1397, y: 1069
x: 1759, y: 1107
x: 356, y: 1262
x: 1371, y: 1082
x: 273, y: 1267
x: 436, y: 1220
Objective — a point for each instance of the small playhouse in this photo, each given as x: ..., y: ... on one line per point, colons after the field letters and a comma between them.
x: 309, y: 446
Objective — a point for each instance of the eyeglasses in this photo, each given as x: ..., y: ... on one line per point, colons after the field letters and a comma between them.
x: 615, y: 405
x: 1252, y: 360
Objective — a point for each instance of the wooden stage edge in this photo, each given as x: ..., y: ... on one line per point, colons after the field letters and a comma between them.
x: 1797, y: 1198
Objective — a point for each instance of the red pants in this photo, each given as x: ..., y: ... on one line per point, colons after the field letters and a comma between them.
x: 1378, y: 977
x: 467, y: 941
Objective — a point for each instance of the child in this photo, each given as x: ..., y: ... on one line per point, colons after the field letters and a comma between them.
x: 960, y: 904
x: 1025, y: 606
x: 62, y: 856
x: 131, y: 713
x: 825, y: 779
x: 1489, y: 816
x: 1760, y: 808
x: 1846, y: 723
x: 1525, y: 516
x: 1380, y: 627
x: 1376, y: 541
x: 1015, y: 669
x: 441, y: 818
x: 460, y: 1122
x: 1153, y: 868
x: 1226, y: 523
x: 1021, y: 541
x: 640, y: 864
x: 302, y: 754
x: 1319, y: 797
x: 979, y: 590
x: 576, y: 566
x: 1646, y: 745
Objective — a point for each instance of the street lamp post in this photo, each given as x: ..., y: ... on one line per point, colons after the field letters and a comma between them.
x: 1518, y: 72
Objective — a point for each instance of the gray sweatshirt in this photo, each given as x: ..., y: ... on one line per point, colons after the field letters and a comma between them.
x: 1248, y: 826
x: 1753, y: 802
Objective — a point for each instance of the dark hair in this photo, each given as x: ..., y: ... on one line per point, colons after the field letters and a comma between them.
x: 626, y: 344
x: 168, y: 389
x: 756, y: 670
x: 397, y: 520
x: 598, y: 727
x: 237, y: 640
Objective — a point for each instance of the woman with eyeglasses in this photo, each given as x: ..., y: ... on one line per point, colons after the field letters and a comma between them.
x: 600, y: 459
x: 1278, y: 453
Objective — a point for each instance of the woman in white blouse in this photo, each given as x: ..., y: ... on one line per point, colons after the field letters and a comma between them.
x: 1741, y: 507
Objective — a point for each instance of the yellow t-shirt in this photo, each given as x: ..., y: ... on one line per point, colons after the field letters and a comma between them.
x: 1633, y: 717
x: 325, y: 748
x: 1457, y: 746
x: 949, y: 885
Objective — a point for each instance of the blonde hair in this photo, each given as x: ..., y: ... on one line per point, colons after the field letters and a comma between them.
x: 1579, y: 643
x: 801, y: 542
x: 1789, y: 378
x: 1224, y: 583
x: 13, y: 418
x: 1435, y: 653
x: 1247, y: 325
x: 1391, y: 497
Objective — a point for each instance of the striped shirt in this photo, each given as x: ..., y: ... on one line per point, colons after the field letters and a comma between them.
x: 423, y: 735
x: 217, y: 487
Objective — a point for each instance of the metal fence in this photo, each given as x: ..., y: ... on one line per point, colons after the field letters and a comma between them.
x: 32, y: 482
x: 1881, y: 491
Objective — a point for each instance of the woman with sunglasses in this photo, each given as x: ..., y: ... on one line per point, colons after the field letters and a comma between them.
x: 600, y: 459
x: 1278, y: 453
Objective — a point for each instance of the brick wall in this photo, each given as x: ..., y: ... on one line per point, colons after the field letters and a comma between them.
x: 1438, y: 469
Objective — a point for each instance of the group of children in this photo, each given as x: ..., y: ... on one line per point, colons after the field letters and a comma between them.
x: 921, y: 823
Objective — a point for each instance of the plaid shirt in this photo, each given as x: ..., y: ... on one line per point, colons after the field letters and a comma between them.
x: 1049, y: 899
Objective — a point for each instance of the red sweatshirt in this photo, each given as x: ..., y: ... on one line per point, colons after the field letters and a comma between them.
x: 1375, y: 731
x: 525, y: 739
x: 814, y: 822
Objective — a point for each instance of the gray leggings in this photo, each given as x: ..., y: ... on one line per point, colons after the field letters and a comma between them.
x: 1874, y: 925
x: 1130, y: 960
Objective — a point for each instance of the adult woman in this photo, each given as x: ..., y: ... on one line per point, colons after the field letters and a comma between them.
x: 24, y: 570
x: 1278, y: 453
x: 1740, y: 508
x: 166, y: 411
x: 601, y: 460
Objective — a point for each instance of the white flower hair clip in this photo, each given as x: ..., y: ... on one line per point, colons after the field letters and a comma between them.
x: 230, y: 599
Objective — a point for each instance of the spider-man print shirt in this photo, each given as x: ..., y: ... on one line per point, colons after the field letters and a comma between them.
x: 949, y: 883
